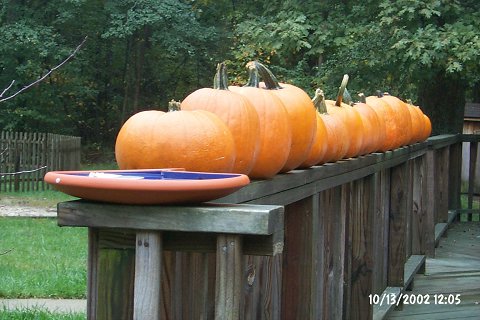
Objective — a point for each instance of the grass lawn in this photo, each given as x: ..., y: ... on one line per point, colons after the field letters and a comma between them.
x: 40, y: 259
x: 38, y: 314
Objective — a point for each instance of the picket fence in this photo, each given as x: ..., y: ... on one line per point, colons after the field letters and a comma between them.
x: 25, y: 157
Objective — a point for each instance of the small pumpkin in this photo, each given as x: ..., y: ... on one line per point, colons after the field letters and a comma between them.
x: 236, y: 111
x: 374, y: 128
x: 319, y: 147
x: 301, y: 114
x: 275, y: 130
x: 338, y: 138
x: 195, y: 140
x: 351, y: 118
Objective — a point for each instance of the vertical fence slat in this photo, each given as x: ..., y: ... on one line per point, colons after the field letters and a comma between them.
x: 397, y: 225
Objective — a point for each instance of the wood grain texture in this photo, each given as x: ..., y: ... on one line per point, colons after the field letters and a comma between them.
x: 239, y: 218
x: 229, y: 278
x: 148, y: 272
x: 397, y: 225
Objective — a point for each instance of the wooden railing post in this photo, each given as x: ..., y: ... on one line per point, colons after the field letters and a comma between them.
x: 455, y: 176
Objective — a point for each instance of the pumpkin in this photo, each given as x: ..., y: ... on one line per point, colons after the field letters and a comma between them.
x: 351, y: 118
x: 301, y: 114
x: 275, y: 131
x: 425, y: 124
x: 427, y: 131
x: 375, y: 130
x: 195, y: 140
x: 236, y: 111
x: 416, y: 116
x: 319, y: 147
x: 402, y: 118
x: 387, y: 116
x: 338, y: 141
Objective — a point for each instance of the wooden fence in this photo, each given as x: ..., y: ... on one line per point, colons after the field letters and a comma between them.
x: 25, y: 157
x: 355, y: 233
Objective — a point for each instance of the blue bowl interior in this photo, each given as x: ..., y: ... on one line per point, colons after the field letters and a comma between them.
x: 162, y: 175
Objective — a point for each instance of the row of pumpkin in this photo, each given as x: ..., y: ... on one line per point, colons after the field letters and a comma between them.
x: 265, y: 128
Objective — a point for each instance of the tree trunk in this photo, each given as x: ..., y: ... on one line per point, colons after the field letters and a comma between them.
x: 442, y: 98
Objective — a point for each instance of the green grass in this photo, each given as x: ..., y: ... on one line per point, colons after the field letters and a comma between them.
x: 40, y: 259
x: 38, y: 314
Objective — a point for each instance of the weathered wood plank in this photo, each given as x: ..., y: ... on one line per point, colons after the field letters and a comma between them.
x: 361, y: 232
x: 148, y: 272
x: 229, y: 278
x: 239, y: 219
x: 414, y: 264
x: 422, y: 227
x: 331, y: 253
x: 299, y: 260
x: 397, y: 225
x: 382, y: 212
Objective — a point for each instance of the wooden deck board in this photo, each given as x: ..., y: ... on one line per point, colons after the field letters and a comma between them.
x: 454, y: 270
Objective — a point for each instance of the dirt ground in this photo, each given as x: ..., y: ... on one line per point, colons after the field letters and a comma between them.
x: 15, y: 210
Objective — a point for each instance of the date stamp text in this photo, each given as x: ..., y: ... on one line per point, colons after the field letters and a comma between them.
x: 404, y: 298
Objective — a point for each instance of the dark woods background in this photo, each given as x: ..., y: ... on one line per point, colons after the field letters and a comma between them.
x: 141, y: 54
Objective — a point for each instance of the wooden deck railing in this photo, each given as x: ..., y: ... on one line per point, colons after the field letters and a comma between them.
x: 352, y: 230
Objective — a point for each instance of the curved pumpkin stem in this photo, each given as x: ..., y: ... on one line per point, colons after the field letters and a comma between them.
x: 173, y: 106
x: 319, y: 101
x: 220, y: 80
x: 379, y: 93
x: 253, y: 76
x: 268, y: 77
x: 362, y: 98
x: 341, y: 90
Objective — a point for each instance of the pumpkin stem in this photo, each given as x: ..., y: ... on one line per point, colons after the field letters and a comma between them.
x: 341, y: 90
x: 409, y: 101
x: 253, y: 76
x: 173, y: 106
x: 362, y: 98
x: 319, y: 101
x: 268, y: 77
x: 220, y: 80
x: 379, y: 93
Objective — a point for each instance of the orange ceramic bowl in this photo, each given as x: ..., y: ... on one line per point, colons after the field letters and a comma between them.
x: 146, y: 186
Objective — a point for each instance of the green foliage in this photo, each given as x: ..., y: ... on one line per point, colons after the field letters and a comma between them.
x: 141, y: 54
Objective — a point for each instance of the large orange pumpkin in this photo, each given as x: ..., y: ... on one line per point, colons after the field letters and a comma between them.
x: 387, y: 116
x: 301, y: 113
x: 275, y: 130
x: 402, y: 118
x: 195, y: 140
x: 236, y: 111
x: 338, y: 139
x: 351, y: 118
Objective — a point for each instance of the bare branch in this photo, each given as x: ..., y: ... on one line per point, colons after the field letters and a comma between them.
x: 42, y: 77
x: 7, y: 88
x: 5, y: 252
x: 20, y: 172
